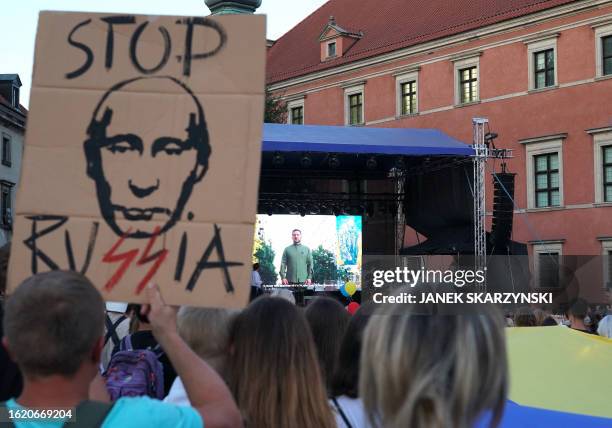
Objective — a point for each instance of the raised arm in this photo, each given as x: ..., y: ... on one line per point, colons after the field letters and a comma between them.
x: 207, y: 392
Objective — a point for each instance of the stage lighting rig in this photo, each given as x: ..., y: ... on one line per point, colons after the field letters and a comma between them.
x: 334, y: 161
x: 278, y: 159
x: 400, y: 163
x: 306, y: 160
x: 371, y: 163
x: 488, y: 139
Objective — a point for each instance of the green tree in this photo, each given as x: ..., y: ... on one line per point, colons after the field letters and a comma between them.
x: 325, y: 267
x: 275, y: 110
x: 265, y: 257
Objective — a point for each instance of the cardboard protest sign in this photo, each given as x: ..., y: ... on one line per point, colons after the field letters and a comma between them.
x: 142, y: 155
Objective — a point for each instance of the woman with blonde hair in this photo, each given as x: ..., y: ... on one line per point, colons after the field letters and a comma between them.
x: 206, y: 331
x: 420, y: 370
x: 273, y: 368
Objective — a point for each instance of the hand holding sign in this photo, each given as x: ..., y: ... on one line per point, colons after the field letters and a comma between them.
x: 161, y: 316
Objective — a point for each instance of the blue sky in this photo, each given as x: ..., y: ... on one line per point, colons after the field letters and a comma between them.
x: 18, y: 23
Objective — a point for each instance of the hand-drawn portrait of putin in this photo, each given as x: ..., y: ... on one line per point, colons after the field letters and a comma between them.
x: 147, y: 148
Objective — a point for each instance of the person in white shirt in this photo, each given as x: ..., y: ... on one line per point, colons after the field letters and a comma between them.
x: 604, y: 327
x: 116, y: 327
x: 256, y: 282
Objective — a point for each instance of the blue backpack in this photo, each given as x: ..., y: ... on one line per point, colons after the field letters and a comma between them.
x: 135, y: 372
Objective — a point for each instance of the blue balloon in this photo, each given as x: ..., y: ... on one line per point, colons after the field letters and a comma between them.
x: 344, y: 292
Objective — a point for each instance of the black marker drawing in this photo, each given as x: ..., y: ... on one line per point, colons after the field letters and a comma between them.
x: 142, y: 200
x: 89, y: 54
x: 58, y: 222
x: 165, y: 56
x: 144, y: 168
x: 188, y: 53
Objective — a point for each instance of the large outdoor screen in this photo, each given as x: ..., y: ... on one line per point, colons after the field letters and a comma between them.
x: 334, y: 243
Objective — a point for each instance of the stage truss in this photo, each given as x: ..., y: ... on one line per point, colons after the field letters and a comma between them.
x: 483, y: 150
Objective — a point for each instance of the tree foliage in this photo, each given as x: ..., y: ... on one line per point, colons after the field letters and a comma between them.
x: 275, y: 110
x: 325, y: 267
x: 264, y: 255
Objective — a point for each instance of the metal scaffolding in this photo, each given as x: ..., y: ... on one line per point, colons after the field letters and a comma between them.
x: 400, y: 218
x: 481, y: 142
x: 480, y: 163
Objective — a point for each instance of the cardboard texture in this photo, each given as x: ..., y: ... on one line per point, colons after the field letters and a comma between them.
x: 142, y: 155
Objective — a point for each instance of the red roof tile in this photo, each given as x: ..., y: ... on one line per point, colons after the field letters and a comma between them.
x: 387, y: 25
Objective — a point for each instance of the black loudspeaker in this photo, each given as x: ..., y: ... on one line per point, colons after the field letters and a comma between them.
x: 503, y: 209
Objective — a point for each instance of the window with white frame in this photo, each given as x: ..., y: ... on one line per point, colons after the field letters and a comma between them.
x: 331, y: 49
x: 467, y: 80
x: 603, y: 50
x: 6, y: 150
x: 354, y: 103
x: 15, y: 97
x: 606, y: 154
x: 546, y: 179
x: 544, y: 158
x: 542, y: 57
x: 602, y: 155
x: 606, y: 55
x: 295, y: 111
x: 547, y: 261
x: 297, y: 115
x: 606, y: 245
x: 406, y: 88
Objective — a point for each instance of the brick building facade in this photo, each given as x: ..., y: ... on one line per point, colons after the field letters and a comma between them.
x: 540, y: 71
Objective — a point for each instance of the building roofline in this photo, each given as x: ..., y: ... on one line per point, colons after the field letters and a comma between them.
x: 11, y: 77
x: 571, y: 8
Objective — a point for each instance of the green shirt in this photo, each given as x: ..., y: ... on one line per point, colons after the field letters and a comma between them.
x: 296, y: 264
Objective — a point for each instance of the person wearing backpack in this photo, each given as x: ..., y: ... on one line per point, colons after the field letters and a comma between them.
x: 54, y: 325
x: 116, y: 327
x: 139, y: 366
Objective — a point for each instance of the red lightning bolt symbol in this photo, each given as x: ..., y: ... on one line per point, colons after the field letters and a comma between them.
x: 159, y: 258
x: 128, y: 257
x: 125, y: 259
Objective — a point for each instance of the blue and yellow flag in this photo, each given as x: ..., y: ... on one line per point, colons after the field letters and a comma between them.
x: 560, y: 369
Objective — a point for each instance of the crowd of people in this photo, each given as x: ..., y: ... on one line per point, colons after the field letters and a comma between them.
x: 272, y: 364
x: 578, y: 315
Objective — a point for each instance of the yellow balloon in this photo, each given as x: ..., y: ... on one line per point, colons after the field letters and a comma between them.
x: 350, y: 287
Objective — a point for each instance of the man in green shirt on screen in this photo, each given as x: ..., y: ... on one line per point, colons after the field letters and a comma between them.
x: 296, y: 266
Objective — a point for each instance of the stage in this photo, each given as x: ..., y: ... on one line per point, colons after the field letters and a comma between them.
x: 389, y: 178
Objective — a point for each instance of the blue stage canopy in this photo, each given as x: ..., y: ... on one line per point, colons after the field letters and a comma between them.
x: 361, y: 140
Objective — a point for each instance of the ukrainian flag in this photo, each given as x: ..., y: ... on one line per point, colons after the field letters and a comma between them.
x: 561, y: 369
